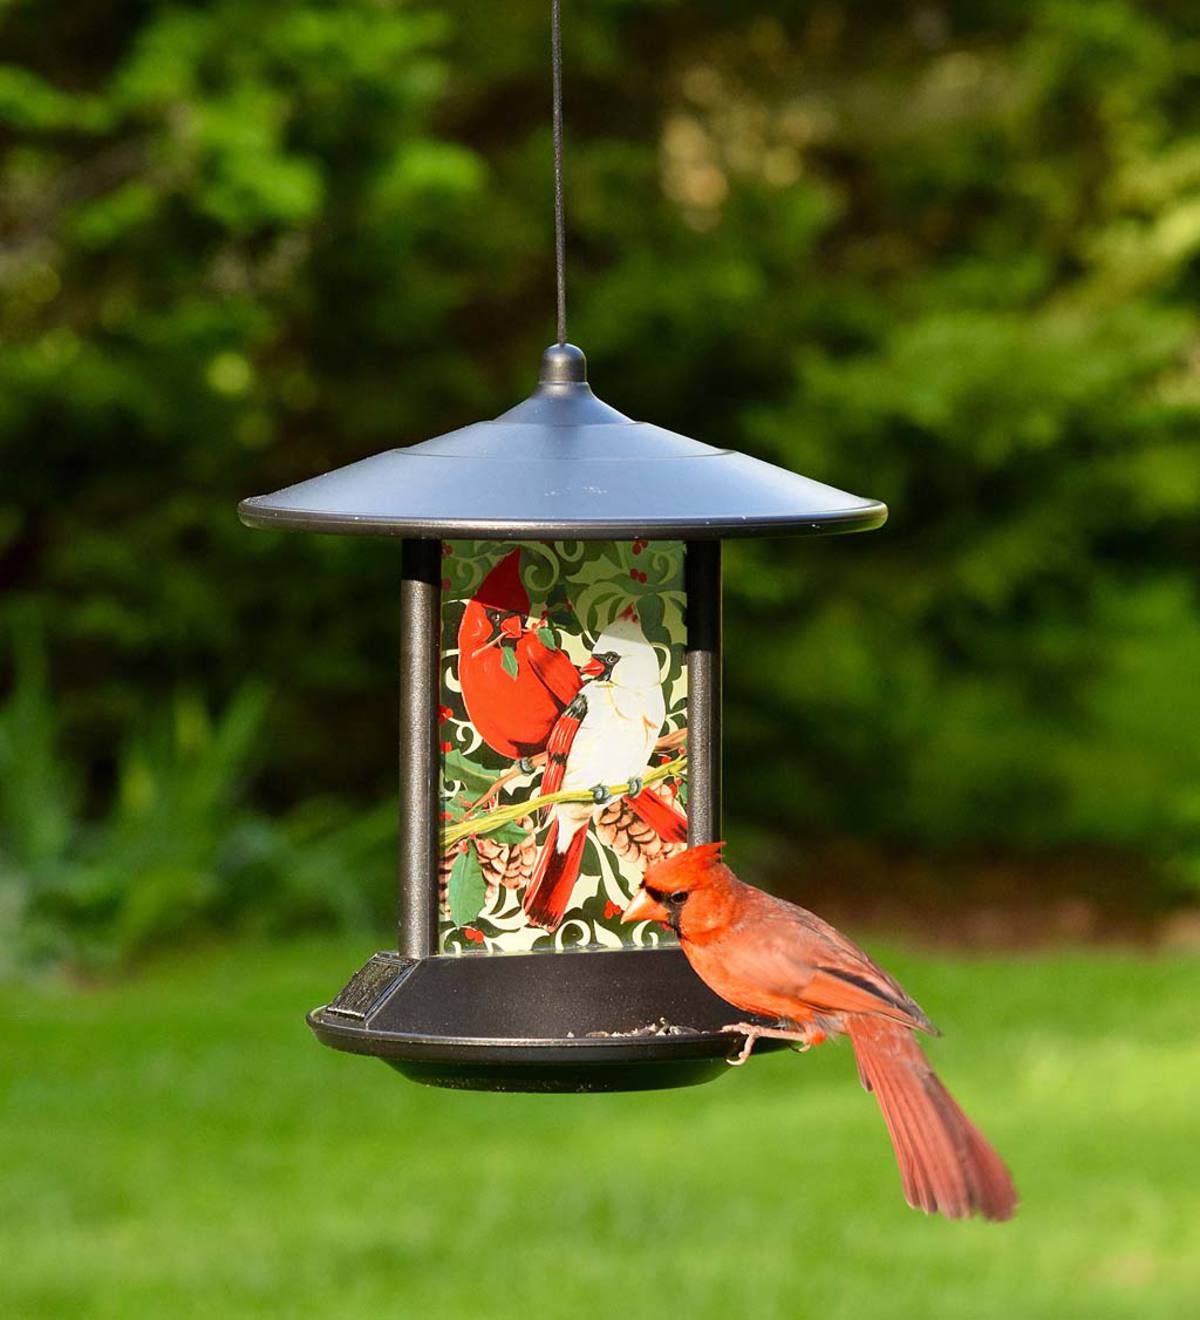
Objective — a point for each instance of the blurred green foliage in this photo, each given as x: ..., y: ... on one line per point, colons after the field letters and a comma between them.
x: 178, y: 848
x: 945, y: 254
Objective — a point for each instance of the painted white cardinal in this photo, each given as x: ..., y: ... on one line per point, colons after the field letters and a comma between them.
x: 604, y: 737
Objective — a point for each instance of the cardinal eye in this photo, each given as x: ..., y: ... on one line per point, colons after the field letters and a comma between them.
x: 679, y: 897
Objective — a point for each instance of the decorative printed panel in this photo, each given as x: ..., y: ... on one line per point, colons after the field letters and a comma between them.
x: 563, y: 731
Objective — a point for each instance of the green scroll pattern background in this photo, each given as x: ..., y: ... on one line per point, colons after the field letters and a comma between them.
x: 582, y: 586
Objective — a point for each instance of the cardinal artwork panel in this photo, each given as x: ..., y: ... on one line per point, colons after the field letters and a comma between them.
x: 563, y: 727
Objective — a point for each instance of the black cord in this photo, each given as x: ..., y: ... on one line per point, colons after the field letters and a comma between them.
x: 560, y: 240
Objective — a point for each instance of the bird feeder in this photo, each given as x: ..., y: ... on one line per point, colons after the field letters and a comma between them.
x: 560, y: 728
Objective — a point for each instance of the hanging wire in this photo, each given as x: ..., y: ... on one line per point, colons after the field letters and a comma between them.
x: 560, y: 240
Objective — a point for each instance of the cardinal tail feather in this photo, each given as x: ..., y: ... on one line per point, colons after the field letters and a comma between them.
x: 554, y: 878
x: 946, y: 1164
x: 665, y: 820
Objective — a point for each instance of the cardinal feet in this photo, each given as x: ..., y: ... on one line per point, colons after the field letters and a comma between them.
x: 801, y: 1038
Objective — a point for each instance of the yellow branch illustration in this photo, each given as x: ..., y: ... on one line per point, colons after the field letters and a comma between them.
x: 669, y: 740
x: 492, y: 820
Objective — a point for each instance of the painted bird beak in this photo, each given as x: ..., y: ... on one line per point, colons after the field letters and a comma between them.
x: 594, y: 668
x: 643, y: 908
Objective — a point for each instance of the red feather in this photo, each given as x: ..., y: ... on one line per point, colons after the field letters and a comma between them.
x: 554, y: 670
x: 549, y: 891
x: 554, y: 876
x: 558, y: 745
x: 661, y: 816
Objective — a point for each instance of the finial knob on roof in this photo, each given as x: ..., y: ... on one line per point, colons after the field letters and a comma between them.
x: 563, y: 364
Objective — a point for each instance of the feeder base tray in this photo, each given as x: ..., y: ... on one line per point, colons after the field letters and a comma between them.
x: 588, y: 1020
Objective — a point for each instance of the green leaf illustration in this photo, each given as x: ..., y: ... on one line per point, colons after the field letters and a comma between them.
x: 456, y: 808
x: 548, y: 638
x: 508, y: 658
x: 473, y: 777
x: 650, y: 612
x: 467, y: 888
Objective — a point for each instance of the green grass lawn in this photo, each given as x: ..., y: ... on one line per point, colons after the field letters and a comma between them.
x: 177, y: 1145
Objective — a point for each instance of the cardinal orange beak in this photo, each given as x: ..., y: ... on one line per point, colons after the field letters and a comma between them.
x: 644, y: 908
x: 593, y: 667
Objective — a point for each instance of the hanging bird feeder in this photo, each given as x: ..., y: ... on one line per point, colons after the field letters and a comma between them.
x: 560, y: 728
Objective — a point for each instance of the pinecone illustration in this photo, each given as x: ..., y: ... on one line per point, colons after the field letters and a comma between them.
x: 445, y: 866
x: 507, y: 864
x: 522, y: 858
x: 621, y: 829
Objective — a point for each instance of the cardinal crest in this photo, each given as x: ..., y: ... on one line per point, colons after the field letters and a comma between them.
x: 563, y: 738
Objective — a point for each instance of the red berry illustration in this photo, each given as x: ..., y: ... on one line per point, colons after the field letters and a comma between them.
x: 475, y: 936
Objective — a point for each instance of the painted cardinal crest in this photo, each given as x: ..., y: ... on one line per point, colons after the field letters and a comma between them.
x: 564, y: 737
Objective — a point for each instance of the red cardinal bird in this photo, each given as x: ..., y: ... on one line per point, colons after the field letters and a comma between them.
x: 514, y: 712
x: 780, y: 962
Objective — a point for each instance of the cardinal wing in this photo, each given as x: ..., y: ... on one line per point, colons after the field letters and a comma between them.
x: 838, y: 989
x: 842, y: 971
x: 558, y: 745
x: 554, y: 670
x: 793, y: 957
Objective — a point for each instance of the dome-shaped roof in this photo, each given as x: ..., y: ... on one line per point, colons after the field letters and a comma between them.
x: 563, y: 465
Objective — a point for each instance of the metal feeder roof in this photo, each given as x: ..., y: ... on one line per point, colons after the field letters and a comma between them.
x: 563, y: 464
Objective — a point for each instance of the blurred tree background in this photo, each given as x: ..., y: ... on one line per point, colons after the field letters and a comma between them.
x: 945, y: 254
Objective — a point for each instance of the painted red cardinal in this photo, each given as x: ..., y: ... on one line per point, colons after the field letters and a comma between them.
x: 514, y: 712
x: 777, y: 961
x: 605, y: 736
